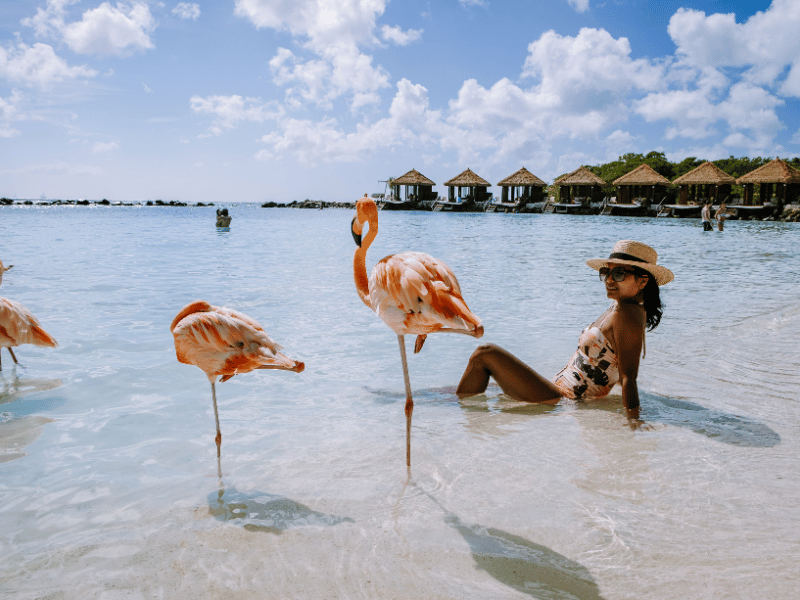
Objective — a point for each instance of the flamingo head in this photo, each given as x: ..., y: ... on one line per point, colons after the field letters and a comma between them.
x: 366, y: 212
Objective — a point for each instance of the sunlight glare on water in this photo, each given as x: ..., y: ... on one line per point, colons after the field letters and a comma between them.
x: 108, y: 471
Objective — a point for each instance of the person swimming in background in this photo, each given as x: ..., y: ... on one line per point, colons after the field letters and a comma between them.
x: 223, y: 219
x: 608, y: 350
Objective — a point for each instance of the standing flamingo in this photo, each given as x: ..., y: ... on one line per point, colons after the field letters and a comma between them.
x: 413, y: 293
x: 19, y: 326
x: 224, y: 342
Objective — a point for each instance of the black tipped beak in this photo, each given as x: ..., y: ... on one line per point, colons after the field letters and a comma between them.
x: 356, y: 236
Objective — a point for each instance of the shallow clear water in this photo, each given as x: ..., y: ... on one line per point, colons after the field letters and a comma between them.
x: 109, y: 485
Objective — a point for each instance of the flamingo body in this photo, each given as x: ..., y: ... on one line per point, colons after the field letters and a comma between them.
x: 413, y: 293
x: 18, y: 326
x: 224, y: 342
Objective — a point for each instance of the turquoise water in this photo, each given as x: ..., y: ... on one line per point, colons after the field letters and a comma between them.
x: 109, y: 485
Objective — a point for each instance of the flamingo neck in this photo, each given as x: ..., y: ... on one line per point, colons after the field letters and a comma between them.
x: 360, y: 263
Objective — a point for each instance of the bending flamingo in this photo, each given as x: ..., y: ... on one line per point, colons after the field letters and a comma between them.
x: 18, y: 326
x: 413, y: 293
x: 224, y: 342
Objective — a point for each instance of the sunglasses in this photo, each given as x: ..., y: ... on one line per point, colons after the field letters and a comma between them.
x: 617, y: 273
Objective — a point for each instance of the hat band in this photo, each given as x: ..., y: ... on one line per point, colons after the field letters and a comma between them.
x: 623, y: 256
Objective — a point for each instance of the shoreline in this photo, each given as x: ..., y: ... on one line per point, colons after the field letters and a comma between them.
x: 789, y: 214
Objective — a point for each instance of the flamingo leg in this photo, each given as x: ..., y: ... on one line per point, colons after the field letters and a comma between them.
x: 409, y: 400
x: 16, y: 362
x: 218, y: 439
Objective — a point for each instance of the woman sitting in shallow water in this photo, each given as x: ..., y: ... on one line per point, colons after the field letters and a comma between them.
x: 608, y: 350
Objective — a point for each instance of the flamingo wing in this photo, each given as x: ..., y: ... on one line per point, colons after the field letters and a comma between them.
x: 225, y: 342
x: 416, y: 294
x: 18, y: 326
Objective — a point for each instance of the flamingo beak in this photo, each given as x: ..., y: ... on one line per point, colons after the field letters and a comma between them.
x: 356, y: 233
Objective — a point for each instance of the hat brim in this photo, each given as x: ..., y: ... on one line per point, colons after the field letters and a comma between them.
x: 662, y: 274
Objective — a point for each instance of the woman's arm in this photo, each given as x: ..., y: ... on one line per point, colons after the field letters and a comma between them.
x: 629, y: 323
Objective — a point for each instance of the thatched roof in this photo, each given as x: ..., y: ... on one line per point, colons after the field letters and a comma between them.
x: 707, y: 173
x: 467, y: 179
x: 642, y: 175
x: 522, y: 177
x: 413, y: 177
x: 775, y: 171
x: 580, y: 176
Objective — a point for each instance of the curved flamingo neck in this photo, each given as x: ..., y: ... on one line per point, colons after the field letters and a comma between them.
x: 360, y: 262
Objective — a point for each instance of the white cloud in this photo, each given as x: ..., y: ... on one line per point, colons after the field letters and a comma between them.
x: 37, y: 65
x: 400, y: 37
x: 579, y: 5
x: 767, y: 43
x: 232, y: 110
x: 147, y: 88
x: 105, y: 146
x: 187, y: 10
x: 466, y: 3
x: 333, y: 30
x: 106, y: 30
x: 10, y: 112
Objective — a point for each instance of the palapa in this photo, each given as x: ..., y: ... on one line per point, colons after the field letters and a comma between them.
x: 644, y: 174
x: 467, y: 179
x: 521, y: 178
x: 413, y: 177
x: 776, y: 171
x: 706, y: 174
x: 580, y: 176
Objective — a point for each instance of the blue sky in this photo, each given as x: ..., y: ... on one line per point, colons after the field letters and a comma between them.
x: 258, y: 100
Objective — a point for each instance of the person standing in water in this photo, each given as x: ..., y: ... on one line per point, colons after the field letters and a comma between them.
x: 223, y: 219
x: 705, y: 216
x: 720, y: 215
x: 608, y: 350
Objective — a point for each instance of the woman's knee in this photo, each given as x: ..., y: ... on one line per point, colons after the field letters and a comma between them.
x: 485, y: 350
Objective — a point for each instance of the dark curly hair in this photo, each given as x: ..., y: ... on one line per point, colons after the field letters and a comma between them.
x: 651, y: 298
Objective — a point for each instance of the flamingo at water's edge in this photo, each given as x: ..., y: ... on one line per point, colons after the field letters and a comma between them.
x: 412, y: 292
x: 18, y: 326
x: 224, y: 342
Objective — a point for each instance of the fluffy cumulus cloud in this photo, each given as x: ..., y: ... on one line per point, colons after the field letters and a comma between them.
x: 9, y: 113
x: 767, y: 44
x: 37, y: 65
x: 105, y: 30
x: 397, y: 36
x: 187, y: 11
x: 333, y: 31
x: 721, y: 90
x: 229, y: 111
x: 104, y: 147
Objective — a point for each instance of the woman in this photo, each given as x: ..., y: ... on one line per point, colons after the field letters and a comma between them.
x: 608, y: 350
x: 720, y: 215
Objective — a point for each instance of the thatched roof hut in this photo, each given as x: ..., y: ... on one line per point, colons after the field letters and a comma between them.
x: 476, y: 188
x: 417, y: 187
x: 522, y: 185
x: 580, y: 184
x: 467, y: 179
x: 640, y: 183
x: 706, y: 182
x: 774, y: 177
x: 413, y: 177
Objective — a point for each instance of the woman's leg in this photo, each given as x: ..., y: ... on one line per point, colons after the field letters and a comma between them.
x: 513, y: 376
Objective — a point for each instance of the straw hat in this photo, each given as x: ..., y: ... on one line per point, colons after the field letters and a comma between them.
x: 637, y: 254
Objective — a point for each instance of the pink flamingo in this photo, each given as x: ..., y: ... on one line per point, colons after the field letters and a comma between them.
x: 18, y: 326
x: 224, y: 342
x: 413, y: 293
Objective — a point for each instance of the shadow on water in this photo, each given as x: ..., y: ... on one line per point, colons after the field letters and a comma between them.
x: 722, y: 427
x: 18, y: 427
x: 527, y: 567
x: 265, y: 513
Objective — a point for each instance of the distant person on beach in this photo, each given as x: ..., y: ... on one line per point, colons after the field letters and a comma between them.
x: 223, y: 220
x: 608, y: 350
x: 705, y: 215
x: 720, y: 215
